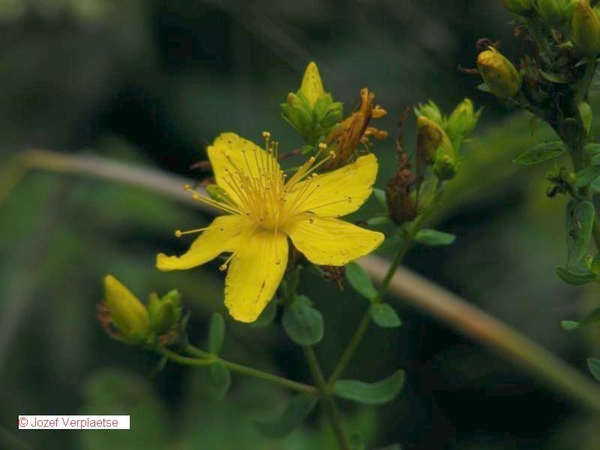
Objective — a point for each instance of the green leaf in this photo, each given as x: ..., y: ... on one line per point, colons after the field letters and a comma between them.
x: 216, y: 333
x: 384, y: 315
x: 587, y: 175
x: 540, y: 153
x: 590, y: 319
x: 585, y: 111
x: 379, y: 194
x: 360, y: 281
x: 574, y: 277
x: 378, y: 220
x: 390, y: 447
x: 390, y: 245
x: 267, y: 316
x: 294, y: 413
x: 593, y: 149
x: 434, y: 238
x: 580, y: 218
x: 218, y: 379
x: 594, y: 366
x: 302, y: 323
x: 370, y: 393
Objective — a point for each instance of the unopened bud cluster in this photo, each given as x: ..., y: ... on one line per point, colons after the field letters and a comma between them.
x: 127, y: 319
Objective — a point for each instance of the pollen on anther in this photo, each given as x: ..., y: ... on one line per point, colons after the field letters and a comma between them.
x: 196, y: 197
x: 187, y: 187
x: 178, y: 233
x: 266, y: 134
x: 322, y: 145
x: 223, y: 267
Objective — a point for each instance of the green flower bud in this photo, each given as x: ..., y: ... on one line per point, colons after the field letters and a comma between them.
x: 444, y: 166
x: 586, y: 29
x: 461, y: 122
x: 165, y: 312
x: 556, y: 12
x: 127, y: 314
x: 431, y: 111
x: 432, y: 141
x: 521, y: 7
x: 499, y: 73
x: 311, y: 110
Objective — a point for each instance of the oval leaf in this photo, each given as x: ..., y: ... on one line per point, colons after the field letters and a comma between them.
x: 267, y: 316
x: 434, y: 238
x: 540, y: 153
x: 294, y: 413
x: 360, y: 281
x: 370, y: 393
x: 590, y: 319
x: 587, y: 175
x: 594, y: 365
x: 216, y: 333
x: 384, y: 315
x: 218, y: 379
x: 575, y: 278
x: 593, y: 149
x: 580, y: 219
x: 379, y: 195
x: 302, y: 323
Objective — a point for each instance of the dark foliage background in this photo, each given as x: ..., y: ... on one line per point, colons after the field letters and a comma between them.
x: 147, y: 82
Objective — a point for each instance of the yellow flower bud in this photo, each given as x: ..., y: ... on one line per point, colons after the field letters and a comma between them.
x: 499, y: 73
x: 312, y: 86
x: 462, y: 121
x: 128, y: 315
x: 586, y: 29
x: 165, y: 312
x: 520, y: 7
x: 430, y: 138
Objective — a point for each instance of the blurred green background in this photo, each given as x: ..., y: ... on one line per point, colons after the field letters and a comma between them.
x: 147, y: 83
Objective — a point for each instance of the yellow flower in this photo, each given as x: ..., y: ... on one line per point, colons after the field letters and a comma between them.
x: 264, y: 207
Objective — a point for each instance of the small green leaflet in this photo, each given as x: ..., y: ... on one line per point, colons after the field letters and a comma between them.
x: 218, y: 380
x: 216, y: 333
x: 370, y: 393
x: 302, y: 323
x: 384, y: 315
x: 267, y: 316
x: 575, y: 278
x: 594, y: 366
x: 434, y: 238
x: 591, y: 318
x: 540, y: 153
x: 294, y: 413
x: 587, y: 175
x: 360, y: 281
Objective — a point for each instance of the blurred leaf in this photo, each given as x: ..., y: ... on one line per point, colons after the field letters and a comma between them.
x: 587, y: 176
x: 594, y: 366
x: 580, y: 219
x: 390, y: 447
x: 378, y: 220
x: 117, y: 392
x: 370, y: 393
x: 575, y: 278
x: 218, y: 379
x: 390, y: 245
x: 385, y: 316
x: 540, y: 153
x: 591, y: 318
x: 379, y: 194
x: 302, y: 323
x: 294, y: 413
x: 216, y: 333
x: 360, y: 281
x: 434, y: 238
x: 267, y: 316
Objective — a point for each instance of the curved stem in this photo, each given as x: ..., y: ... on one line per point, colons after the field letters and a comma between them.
x: 472, y: 322
x: 325, y: 397
x: 206, y: 359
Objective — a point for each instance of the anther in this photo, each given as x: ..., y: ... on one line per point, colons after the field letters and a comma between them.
x: 322, y: 145
x: 223, y: 267
x: 178, y: 233
x: 196, y: 197
x: 266, y: 134
x: 187, y: 187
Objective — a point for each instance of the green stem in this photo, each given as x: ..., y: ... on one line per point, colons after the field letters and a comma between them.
x: 325, y: 397
x: 206, y: 359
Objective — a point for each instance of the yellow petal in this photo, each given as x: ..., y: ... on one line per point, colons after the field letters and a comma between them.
x: 331, y: 242
x: 232, y: 157
x: 255, y: 273
x: 336, y: 193
x: 225, y: 234
x: 312, y: 86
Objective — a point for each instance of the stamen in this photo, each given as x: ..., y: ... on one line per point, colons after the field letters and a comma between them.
x: 179, y: 233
